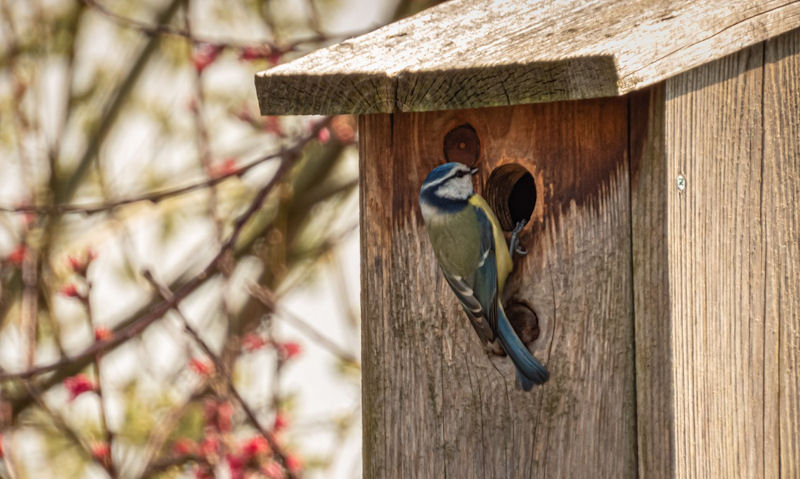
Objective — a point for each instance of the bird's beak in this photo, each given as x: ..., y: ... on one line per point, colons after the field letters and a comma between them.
x: 473, y: 171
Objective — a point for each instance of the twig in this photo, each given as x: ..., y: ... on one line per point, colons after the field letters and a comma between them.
x: 159, y: 436
x: 138, y: 325
x: 108, y: 462
x: 152, y: 197
x: 164, y: 29
x: 166, y: 463
x: 60, y: 423
x: 222, y: 370
x: 268, y: 299
x: 112, y: 109
x: 203, y: 144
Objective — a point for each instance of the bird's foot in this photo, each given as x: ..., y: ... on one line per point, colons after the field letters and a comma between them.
x: 514, y: 246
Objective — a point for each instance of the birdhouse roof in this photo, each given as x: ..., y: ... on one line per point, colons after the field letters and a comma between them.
x: 480, y: 53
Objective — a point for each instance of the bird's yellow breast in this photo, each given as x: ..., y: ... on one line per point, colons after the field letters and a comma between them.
x: 504, y: 263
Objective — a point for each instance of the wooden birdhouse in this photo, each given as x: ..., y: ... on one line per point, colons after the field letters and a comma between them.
x: 654, y: 148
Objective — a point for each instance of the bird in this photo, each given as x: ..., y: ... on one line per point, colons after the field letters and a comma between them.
x: 469, y: 245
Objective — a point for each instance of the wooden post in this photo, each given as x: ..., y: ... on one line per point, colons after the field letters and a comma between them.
x: 716, y: 175
x: 435, y: 405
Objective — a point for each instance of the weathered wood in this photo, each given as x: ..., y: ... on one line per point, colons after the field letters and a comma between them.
x: 474, y: 53
x: 434, y: 404
x: 715, y: 261
x: 781, y: 198
x: 651, y: 291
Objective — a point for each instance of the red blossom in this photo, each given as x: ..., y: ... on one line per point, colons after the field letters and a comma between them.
x: 205, y: 54
x: 226, y: 167
x: 289, y: 350
x: 101, y: 452
x: 273, y: 470
x: 251, y: 53
x: 28, y: 218
x: 219, y: 414
x: 209, y: 445
x: 77, y: 385
x: 237, y: 465
x: 184, y: 446
x: 281, y: 422
x: 201, y: 367
x: 80, y: 265
x: 224, y: 416
x: 253, y: 342
x: 274, y: 57
x: 324, y: 135
x: 245, y: 115
x: 272, y: 124
x: 17, y: 256
x: 70, y: 291
x: 102, y: 334
x: 191, y: 104
x: 255, y: 446
x: 343, y: 127
x: 203, y: 472
x: 1, y: 445
x: 293, y: 463
x: 75, y: 263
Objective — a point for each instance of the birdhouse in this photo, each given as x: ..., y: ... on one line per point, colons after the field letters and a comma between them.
x: 654, y: 149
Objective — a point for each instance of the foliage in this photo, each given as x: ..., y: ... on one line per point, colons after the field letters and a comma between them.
x: 153, y: 228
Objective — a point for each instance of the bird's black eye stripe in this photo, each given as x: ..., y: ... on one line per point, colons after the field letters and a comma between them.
x: 459, y: 174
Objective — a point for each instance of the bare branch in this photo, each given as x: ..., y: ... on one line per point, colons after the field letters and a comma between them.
x: 288, y: 158
x: 165, y: 29
x: 153, y: 197
x: 220, y: 368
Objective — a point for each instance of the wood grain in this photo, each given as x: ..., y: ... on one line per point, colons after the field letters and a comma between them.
x: 782, y: 233
x: 651, y: 287
x: 716, y: 268
x: 435, y: 405
x: 475, y: 53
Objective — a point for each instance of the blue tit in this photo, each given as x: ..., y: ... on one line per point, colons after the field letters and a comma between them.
x: 469, y: 245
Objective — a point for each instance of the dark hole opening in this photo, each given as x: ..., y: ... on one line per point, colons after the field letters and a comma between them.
x: 511, y: 192
x: 522, y: 198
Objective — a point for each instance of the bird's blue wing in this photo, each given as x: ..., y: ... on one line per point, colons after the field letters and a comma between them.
x: 485, y: 278
x: 478, y: 292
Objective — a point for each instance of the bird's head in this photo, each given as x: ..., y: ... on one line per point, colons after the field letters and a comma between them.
x: 447, y: 186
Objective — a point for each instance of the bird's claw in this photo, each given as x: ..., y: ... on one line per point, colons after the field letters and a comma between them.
x: 514, y: 246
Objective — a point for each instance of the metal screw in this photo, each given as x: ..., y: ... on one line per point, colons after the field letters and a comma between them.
x: 681, y: 183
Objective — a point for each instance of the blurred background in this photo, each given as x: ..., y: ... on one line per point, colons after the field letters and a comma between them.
x: 178, y: 275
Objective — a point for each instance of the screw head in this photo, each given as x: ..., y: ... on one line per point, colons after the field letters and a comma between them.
x: 681, y: 183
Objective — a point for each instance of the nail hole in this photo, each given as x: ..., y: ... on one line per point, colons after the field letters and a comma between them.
x: 511, y: 192
x: 462, y: 144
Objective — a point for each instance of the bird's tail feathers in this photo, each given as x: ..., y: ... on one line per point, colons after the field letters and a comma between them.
x: 529, y: 370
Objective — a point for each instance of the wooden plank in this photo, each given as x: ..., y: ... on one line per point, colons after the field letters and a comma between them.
x: 651, y: 292
x: 782, y: 232
x: 716, y: 268
x: 474, y: 53
x: 434, y: 404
